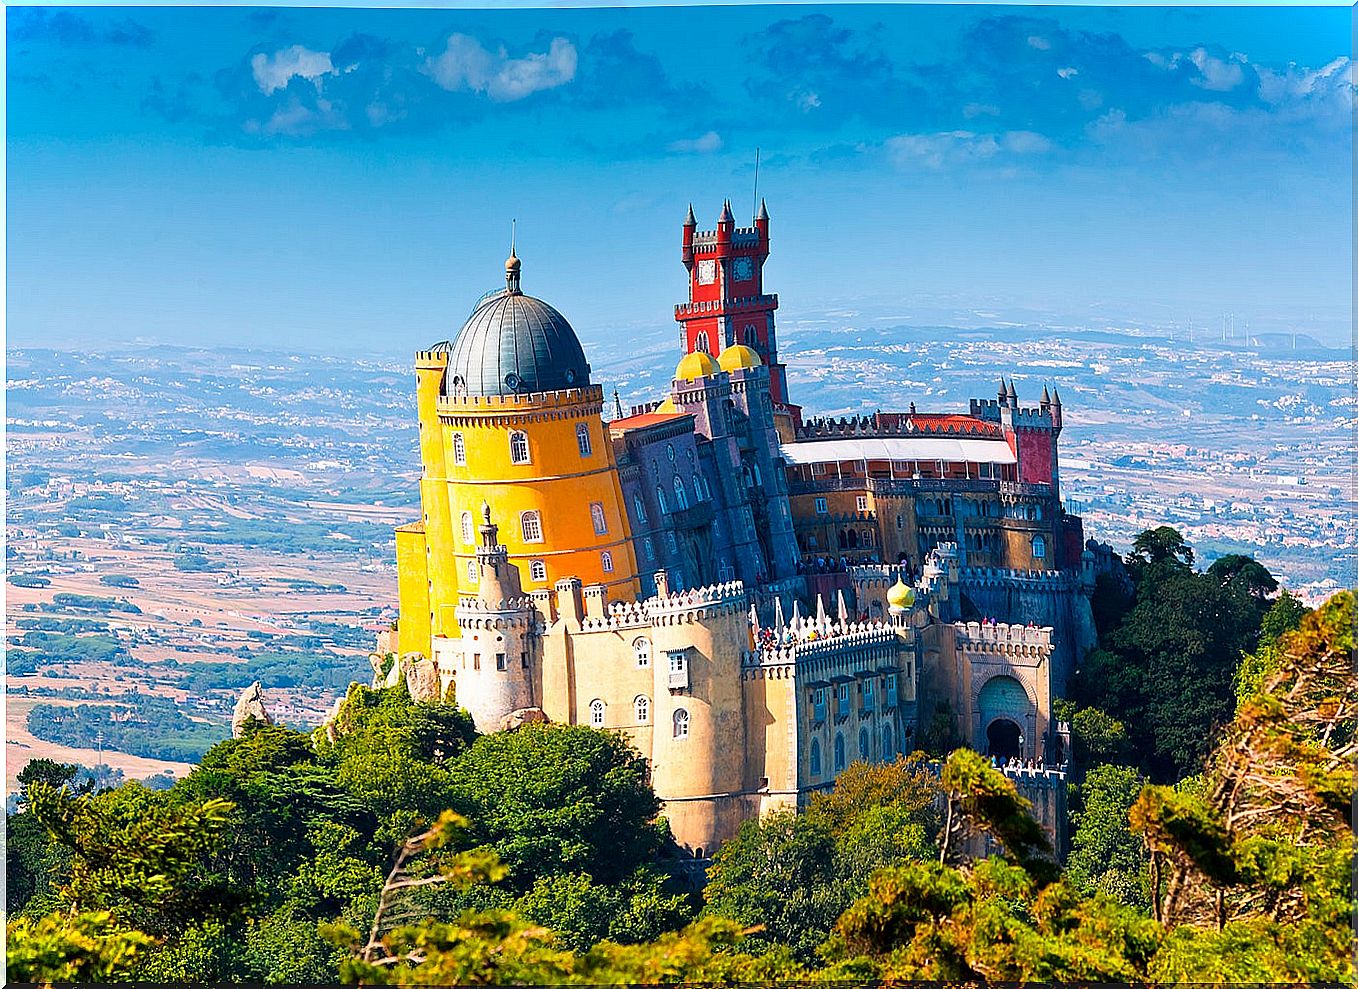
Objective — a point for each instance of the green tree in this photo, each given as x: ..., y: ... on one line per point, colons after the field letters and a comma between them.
x: 1105, y: 856
x: 556, y: 799
x: 1162, y: 551
x: 1251, y: 868
x: 794, y: 874
x: 1245, y: 573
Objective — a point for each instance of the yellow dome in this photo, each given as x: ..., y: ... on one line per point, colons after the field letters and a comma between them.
x: 899, y: 596
x: 737, y: 357
x: 695, y: 365
x: 666, y: 406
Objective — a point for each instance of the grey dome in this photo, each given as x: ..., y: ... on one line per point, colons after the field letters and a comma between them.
x: 513, y: 344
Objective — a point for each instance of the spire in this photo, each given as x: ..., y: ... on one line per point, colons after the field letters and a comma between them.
x: 843, y: 608
x: 512, y: 263
x: 1046, y: 398
x: 1013, y: 394
x: 489, y: 530
x: 1004, y: 391
x: 690, y: 220
x: 763, y: 211
x: 726, y: 216
x: 1056, y: 397
x: 778, y: 620
x: 820, y: 611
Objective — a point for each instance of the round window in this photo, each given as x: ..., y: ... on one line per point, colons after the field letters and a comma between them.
x: 512, y: 381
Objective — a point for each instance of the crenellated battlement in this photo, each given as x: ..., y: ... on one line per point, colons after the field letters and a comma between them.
x: 697, y: 603
x: 523, y: 402
x: 1002, y: 637
x: 743, y: 304
x: 995, y: 576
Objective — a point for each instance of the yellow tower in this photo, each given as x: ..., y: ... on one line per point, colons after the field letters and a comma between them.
x: 509, y: 418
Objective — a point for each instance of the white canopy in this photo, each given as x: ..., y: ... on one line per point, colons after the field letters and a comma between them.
x: 946, y: 448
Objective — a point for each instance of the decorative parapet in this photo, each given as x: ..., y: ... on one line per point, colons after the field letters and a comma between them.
x: 538, y: 402
x: 1004, y: 638
x: 621, y: 615
x: 697, y: 603
x: 998, y: 575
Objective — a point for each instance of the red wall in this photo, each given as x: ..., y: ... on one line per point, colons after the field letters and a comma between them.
x: 1035, y: 456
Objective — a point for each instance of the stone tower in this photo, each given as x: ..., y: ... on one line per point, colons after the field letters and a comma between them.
x: 726, y: 300
x: 494, y: 664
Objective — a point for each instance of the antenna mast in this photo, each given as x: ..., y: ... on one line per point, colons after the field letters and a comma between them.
x: 754, y: 211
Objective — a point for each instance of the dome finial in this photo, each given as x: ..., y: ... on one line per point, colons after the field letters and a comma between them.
x: 512, y: 263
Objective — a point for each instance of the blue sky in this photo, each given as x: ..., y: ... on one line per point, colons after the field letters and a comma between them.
x: 344, y: 178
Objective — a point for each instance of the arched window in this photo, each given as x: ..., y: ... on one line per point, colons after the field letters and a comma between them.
x: 680, y: 723
x: 680, y: 493
x: 839, y: 752
x: 468, y: 532
x: 699, y: 488
x: 648, y: 544
x: 888, y: 744
x: 518, y: 448
x: 641, y: 707
x: 639, y: 505
x: 1037, y: 512
x: 596, y: 514
x: 582, y: 439
x: 596, y: 713
x: 531, y: 523
x: 815, y: 757
x: 660, y: 500
x: 459, y: 450
x: 1039, y: 548
x: 471, y: 571
x: 863, y: 745
x: 606, y: 558
x: 700, y: 343
x: 642, y: 647
x: 751, y: 337
x: 537, y: 570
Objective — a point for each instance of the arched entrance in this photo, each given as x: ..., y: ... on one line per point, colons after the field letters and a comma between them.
x: 1002, y: 739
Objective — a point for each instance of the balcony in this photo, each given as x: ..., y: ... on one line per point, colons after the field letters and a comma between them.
x: 679, y: 679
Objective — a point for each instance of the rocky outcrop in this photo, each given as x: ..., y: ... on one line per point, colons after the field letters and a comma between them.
x: 523, y: 716
x: 421, y: 677
x: 249, y: 707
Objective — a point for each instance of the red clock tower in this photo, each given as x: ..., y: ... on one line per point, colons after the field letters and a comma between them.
x: 726, y: 301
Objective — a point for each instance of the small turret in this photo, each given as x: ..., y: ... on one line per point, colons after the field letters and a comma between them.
x: 1003, y: 396
x: 761, y: 223
x: 1046, y: 399
x: 1013, y: 394
x: 690, y: 227
x: 726, y: 223
x: 512, y: 268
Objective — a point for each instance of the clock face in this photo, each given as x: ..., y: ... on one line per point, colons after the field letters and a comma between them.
x: 742, y: 269
x: 707, y: 272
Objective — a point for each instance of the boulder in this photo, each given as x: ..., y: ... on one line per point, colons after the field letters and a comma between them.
x: 249, y: 707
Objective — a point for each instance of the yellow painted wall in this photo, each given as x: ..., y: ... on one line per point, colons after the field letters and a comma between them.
x: 412, y: 587
x: 558, y: 482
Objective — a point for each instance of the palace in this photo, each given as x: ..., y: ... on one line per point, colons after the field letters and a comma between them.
x: 755, y: 598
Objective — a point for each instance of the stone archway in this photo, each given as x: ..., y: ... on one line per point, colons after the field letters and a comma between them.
x: 1002, y: 739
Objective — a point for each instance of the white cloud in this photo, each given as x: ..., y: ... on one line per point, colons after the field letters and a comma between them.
x: 1218, y: 74
x: 273, y: 72
x: 973, y: 110
x: 705, y: 144
x: 467, y: 64
x: 1038, y: 42
x: 1069, y: 72
x: 961, y: 147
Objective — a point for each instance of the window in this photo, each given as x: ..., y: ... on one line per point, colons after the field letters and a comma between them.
x: 821, y: 507
x: 867, y: 695
x: 818, y: 703
x: 582, y: 439
x: 537, y: 570
x: 459, y: 450
x: 900, y: 522
x: 1039, y: 548
x: 642, y: 647
x: 531, y: 523
x: 468, y: 532
x: 843, y: 697
x: 699, y: 489
x: 815, y: 757
x: 518, y: 448
x: 596, y: 513
x: 863, y: 745
x: 640, y: 506
x: 641, y: 707
x: 888, y: 744
x: 700, y: 343
x: 596, y: 713
x: 680, y: 493
x: 891, y: 689
x: 862, y: 503
x: 673, y: 542
x: 501, y: 662
x: 839, y: 752
x: 660, y: 500
x: 648, y: 544
x: 606, y: 558
x: 680, y: 723
x: 471, y: 571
